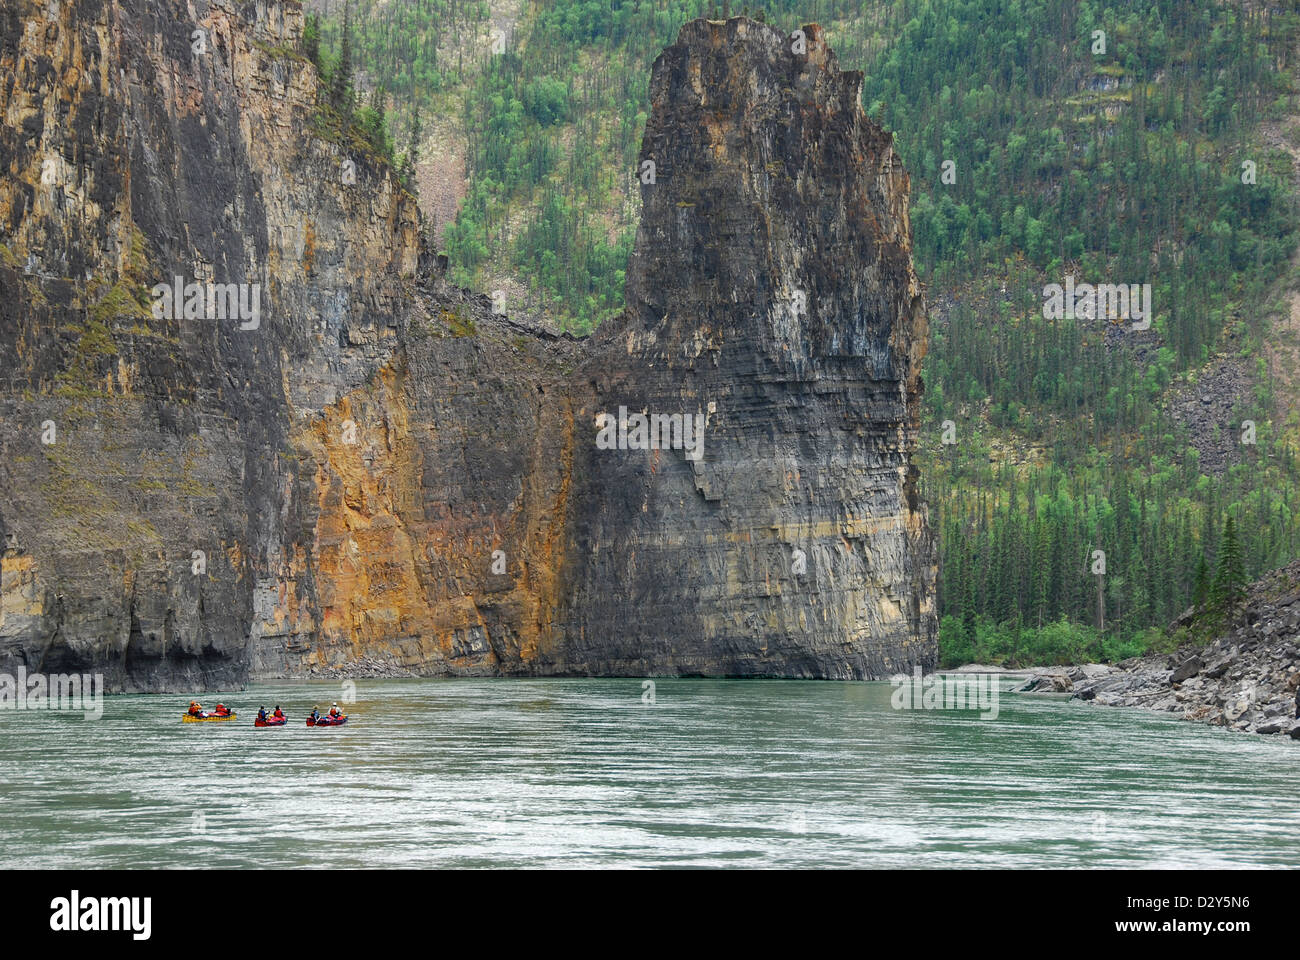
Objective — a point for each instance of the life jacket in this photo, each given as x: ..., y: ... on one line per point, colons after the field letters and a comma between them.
x: 278, y: 714
x: 195, y: 710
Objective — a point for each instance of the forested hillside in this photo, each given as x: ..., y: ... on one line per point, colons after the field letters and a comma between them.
x: 1087, y: 480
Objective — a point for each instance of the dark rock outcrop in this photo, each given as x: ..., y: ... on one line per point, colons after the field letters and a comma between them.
x: 771, y: 293
x: 382, y: 474
x: 1245, y: 678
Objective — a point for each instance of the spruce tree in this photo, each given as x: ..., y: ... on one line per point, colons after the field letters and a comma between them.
x: 1230, y: 575
x: 412, y: 150
x: 341, y: 87
x: 1201, y: 588
x: 377, y: 122
x: 311, y: 38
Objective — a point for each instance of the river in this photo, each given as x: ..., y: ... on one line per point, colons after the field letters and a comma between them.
x: 588, y: 773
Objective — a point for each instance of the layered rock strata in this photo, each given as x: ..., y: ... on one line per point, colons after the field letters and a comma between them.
x: 377, y: 472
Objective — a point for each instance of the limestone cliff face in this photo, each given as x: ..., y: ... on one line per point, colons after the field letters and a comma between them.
x: 140, y: 142
x: 381, y: 472
x: 771, y: 291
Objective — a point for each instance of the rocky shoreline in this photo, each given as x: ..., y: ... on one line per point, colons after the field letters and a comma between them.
x: 1245, y: 679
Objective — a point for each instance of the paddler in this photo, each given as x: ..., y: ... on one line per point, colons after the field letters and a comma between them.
x: 278, y: 715
x: 221, y: 710
x: 335, y: 711
x: 261, y: 714
x: 195, y: 709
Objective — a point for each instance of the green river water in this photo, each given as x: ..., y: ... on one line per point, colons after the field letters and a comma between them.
x: 585, y: 773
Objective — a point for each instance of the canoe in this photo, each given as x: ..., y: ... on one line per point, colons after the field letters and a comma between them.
x: 271, y: 722
x: 206, y: 718
x: 327, y: 722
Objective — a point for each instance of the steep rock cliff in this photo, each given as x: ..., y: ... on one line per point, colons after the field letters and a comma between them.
x: 380, y: 470
x: 152, y: 527
x: 770, y: 291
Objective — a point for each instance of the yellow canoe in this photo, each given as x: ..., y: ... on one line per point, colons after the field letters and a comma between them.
x: 186, y: 718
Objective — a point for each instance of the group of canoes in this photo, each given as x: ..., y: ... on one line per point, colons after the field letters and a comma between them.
x: 335, y: 717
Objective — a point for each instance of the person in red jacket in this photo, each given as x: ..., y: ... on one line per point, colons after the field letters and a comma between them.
x: 196, y: 710
x: 277, y: 715
x: 221, y: 710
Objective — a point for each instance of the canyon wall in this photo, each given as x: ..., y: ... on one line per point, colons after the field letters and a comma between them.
x: 379, y: 473
x: 771, y: 291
